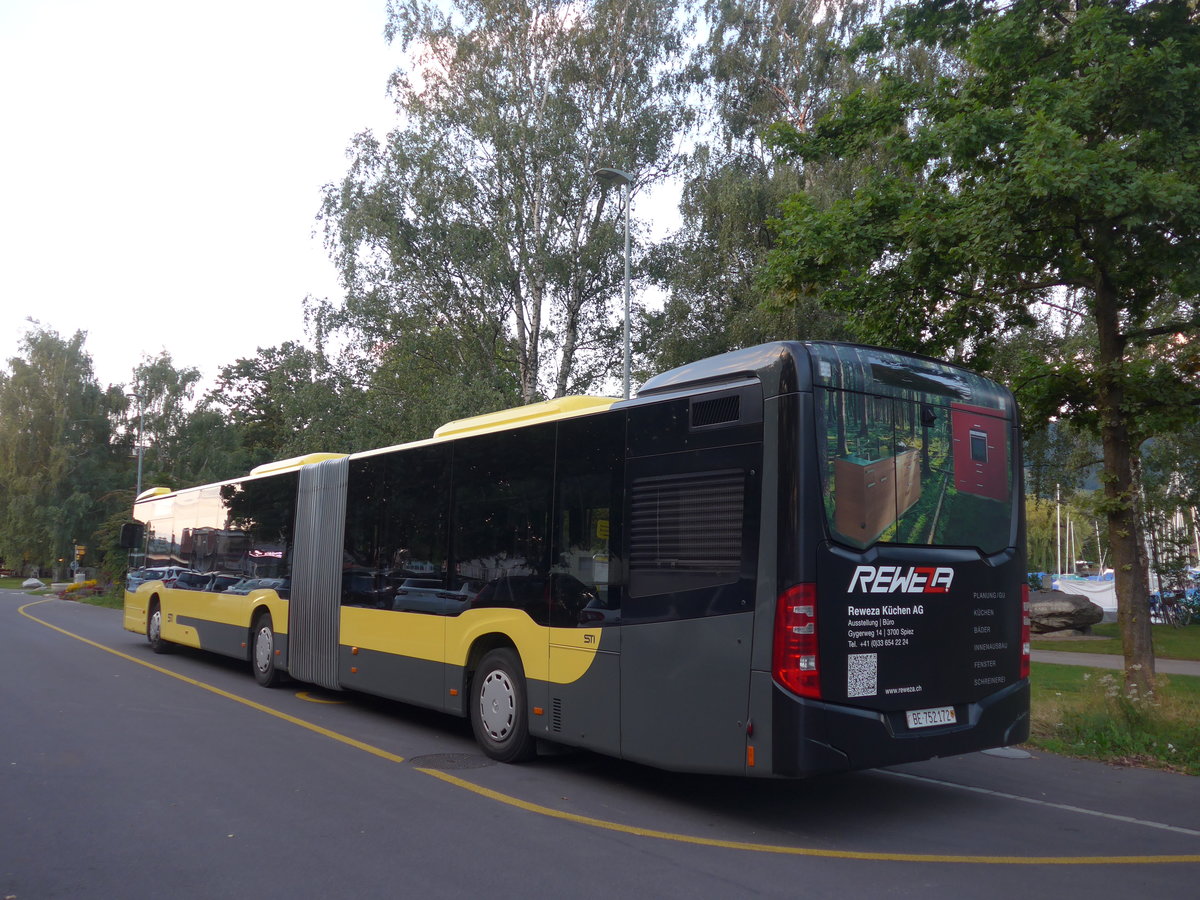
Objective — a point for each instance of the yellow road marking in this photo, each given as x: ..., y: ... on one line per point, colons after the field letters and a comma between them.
x: 317, y: 729
x: 605, y: 825
x: 309, y: 697
x: 800, y: 851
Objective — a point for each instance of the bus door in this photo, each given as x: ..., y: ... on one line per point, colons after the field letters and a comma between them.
x: 585, y: 596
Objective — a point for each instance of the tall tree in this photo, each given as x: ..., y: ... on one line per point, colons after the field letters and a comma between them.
x: 286, y: 401
x: 1062, y: 161
x: 762, y: 61
x: 58, y: 457
x: 185, y: 440
x: 478, y: 215
x: 162, y: 402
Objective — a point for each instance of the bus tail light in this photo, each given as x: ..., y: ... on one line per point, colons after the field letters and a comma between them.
x: 795, y: 658
x: 1024, y: 631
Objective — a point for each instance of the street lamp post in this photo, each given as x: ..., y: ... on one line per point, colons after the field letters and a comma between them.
x: 609, y: 177
x: 138, y: 399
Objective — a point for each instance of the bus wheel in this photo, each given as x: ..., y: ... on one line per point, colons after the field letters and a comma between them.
x: 498, y: 715
x: 262, y: 652
x: 154, y: 630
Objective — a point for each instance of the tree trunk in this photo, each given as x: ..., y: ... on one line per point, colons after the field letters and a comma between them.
x: 1120, y: 493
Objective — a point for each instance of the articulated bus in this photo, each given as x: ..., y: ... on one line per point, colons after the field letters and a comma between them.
x: 793, y: 559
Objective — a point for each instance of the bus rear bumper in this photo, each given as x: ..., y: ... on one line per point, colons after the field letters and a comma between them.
x: 810, y: 737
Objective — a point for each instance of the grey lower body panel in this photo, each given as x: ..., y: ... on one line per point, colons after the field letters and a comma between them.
x: 585, y: 712
x: 228, y: 640
x: 689, y: 710
x: 418, y: 681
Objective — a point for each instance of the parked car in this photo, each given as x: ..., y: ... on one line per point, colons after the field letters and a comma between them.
x: 599, y: 612
x: 213, y: 582
x: 430, y: 595
x: 556, y: 599
x: 222, y: 583
x: 166, y: 574
x: 246, y: 585
x: 361, y: 587
x: 193, y: 581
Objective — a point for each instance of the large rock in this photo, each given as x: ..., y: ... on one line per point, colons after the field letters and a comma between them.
x: 1058, y: 611
x: 32, y: 583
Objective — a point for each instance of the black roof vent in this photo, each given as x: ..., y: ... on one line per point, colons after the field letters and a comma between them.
x: 717, y: 411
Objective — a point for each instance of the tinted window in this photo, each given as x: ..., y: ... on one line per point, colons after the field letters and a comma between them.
x: 205, y: 546
x: 913, y: 452
x: 260, y: 514
x: 396, y: 532
x: 587, y: 520
x: 501, y: 536
x: 160, y: 544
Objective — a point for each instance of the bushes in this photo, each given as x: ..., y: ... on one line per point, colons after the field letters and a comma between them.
x: 1089, y: 713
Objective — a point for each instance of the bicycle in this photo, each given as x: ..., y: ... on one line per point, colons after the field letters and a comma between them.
x: 1170, y: 609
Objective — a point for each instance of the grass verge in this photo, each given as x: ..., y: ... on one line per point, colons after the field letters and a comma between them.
x: 113, y: 598
x: 1086, y: 713
x: 1169, y: 643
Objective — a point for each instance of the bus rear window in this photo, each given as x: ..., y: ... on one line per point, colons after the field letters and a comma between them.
x: 914, y: 460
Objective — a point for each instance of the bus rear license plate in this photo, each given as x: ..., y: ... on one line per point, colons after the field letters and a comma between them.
x: 927, y: 718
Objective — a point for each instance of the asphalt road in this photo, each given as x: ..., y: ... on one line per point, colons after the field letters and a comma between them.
x: 130, y: 775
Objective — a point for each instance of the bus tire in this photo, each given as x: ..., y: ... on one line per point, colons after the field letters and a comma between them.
x: 262, y: 651
x: 498, y: 708
x: 154, y: 629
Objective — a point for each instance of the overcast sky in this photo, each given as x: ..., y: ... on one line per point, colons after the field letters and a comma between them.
x: 162, y: 166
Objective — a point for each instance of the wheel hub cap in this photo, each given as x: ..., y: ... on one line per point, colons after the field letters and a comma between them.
x: 262, y: 650
x: 497, y: 704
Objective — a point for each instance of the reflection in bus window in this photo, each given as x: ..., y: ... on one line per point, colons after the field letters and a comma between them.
x: 589, y: 468
x: 502, y: 491
x: 396, y: 533
x: 979, y: 446
x: 910, y: 456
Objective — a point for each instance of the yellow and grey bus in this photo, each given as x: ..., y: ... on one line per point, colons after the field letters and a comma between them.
x: 792, y: 559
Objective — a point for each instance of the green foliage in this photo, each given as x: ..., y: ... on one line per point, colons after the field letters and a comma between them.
x: 185, y: 442
x: 1050, y: 181
x: 283, y: 402
x: 477, y: 223
x: 58, y: 458
x: 1063, y: 155
x: 763, y: 61
x: 110, y: 558
x: 1089, y: 713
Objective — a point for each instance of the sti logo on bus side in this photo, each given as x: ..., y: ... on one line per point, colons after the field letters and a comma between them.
x: 898, y: 579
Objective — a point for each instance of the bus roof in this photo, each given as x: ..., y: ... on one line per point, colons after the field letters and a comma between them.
x: 295, y: 462
x: 548, y: 410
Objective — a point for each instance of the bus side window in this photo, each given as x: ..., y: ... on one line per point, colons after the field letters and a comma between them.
x: 501, y: 519
x: 589, y: 472
x: 264, y: 511
x: 396, y: 533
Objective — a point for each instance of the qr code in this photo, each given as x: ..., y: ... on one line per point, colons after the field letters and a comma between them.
x: 862, y: 675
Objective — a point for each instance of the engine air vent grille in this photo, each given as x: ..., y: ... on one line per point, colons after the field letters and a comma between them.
x: 717, y: 411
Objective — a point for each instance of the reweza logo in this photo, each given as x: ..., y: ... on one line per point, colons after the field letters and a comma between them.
x: 901, y: 580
